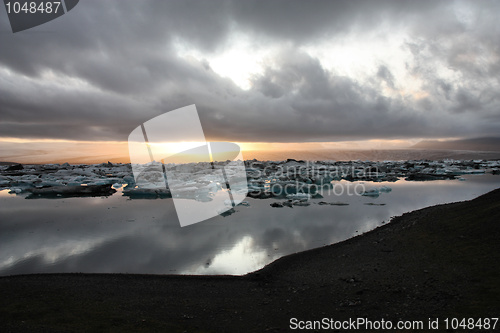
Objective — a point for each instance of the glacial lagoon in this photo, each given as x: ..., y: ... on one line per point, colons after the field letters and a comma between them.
x: 117, y: 234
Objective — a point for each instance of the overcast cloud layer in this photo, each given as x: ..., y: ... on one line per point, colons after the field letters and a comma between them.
x: 326, y: 70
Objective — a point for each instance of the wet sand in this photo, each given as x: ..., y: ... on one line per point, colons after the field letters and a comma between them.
x: 436, y: 262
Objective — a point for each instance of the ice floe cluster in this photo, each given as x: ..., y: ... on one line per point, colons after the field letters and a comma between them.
x: 64, y: 180
x: 294, y: 181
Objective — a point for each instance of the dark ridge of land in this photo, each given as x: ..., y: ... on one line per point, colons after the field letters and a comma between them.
x: 474, y: 144
x: 415, y: 152
x: 436, y: 262
x: 412, y: 153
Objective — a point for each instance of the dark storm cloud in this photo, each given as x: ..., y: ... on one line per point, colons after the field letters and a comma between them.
x: 385, y: 74
x: 101, y: 70
x: 300, y: 21
x: 313, y: 102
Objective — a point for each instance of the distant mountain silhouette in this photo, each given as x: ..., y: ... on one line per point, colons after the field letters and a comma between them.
x: 477, y: 144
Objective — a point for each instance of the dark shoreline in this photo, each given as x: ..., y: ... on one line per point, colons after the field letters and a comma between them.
x: 436, y: 262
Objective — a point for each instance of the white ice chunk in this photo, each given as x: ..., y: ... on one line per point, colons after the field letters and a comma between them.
x: 299, y: 196
x: 374, y: 192
x: 385, y: 189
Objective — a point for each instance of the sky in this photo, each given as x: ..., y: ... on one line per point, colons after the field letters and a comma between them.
x: 325, y: 73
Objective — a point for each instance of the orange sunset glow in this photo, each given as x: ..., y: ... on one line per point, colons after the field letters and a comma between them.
x: 74, y: 152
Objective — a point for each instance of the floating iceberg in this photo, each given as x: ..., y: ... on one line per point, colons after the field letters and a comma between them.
x: 291, y: 180
x: 299, y: 196
x: 385, y: 189
x: 374, y: 192
x: 71, y: 191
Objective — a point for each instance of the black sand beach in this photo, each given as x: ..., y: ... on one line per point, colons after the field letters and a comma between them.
x: 438, y: 262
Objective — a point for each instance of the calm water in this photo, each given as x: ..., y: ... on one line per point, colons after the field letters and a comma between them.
x: 117, y: 235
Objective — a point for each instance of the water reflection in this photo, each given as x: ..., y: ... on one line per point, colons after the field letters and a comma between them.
x: 115, y: 234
